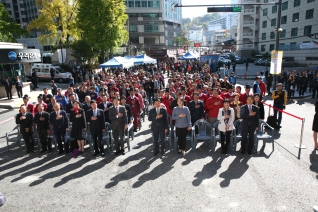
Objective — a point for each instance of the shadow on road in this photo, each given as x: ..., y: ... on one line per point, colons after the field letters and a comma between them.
x: 314, y: 162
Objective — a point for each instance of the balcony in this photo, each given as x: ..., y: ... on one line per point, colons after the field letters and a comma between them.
x: 248, y: 22
x: 248, y: 34
x: 249, y: 10
x: 249, y: 1
x: 248, y: 46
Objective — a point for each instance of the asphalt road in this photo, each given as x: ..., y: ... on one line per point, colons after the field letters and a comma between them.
x: 138, y: 181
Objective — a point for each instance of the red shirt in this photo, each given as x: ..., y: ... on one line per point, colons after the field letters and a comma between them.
x: 243, y: 98
x: 30, y: 108
x: 262, y: 86
x: 36, y: 107
x: 212, y: 108
x: 186, y: 98
x: 166, y: 100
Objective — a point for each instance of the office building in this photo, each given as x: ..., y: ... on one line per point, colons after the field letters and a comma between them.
x: 298, y: 19
x: 248, y: 28
x: 226, y: 21
x: 153, y: 24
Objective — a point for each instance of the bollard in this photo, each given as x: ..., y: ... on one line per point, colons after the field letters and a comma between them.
x: 300, y: 146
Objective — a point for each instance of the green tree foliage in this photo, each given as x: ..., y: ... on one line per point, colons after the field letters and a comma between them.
x: 200, y: 20
x: 181, y: 39
x: 57, y: 19
x: 9, y: 28
x: 83, y: 51
x: 102, y: 24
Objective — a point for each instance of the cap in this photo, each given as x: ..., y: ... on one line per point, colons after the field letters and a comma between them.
x: 280, y: 84
x: 26, y: 97
x: 183, y: 88
x: 131, y: 89
x: 247, y: 86
x: 40, y: 96
x: 52, y: 80
x: 167, y: 89
x: 229, y: 87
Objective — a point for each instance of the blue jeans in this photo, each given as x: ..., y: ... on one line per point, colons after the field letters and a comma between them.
x: 279, y: 119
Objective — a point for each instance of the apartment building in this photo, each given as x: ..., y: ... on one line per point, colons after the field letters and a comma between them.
x: 299, y: 18
x: 226, y: 21
x: 153, y: 23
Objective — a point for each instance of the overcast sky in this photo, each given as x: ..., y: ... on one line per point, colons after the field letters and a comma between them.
x: 190, y: 12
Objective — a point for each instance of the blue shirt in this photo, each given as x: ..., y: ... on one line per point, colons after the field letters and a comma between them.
x: 184, y: 121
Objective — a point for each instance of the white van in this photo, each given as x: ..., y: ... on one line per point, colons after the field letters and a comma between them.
x: 43, y: 72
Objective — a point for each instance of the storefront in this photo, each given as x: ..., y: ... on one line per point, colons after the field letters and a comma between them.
x: 160, y: 55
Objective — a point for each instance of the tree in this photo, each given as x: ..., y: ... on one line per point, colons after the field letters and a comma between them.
x: 83, y: 51
x: 57, y: 19
x: 102, y: 25
x: 9, y: 28
x: 181, y: 39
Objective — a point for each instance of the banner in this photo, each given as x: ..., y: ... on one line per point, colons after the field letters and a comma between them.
x: 276, y: 62
x: 20, y: 56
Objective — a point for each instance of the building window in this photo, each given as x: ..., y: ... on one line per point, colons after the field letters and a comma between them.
x: 309, y: 14
x: 285, y: 5
x: 309, y: 1
x: 131, y: 4
x: 282, y: 34
x: 263, y: 36
x: 235, y: 34
x: 156, y: 4
x: 295, y: 17
x: 265, y: 1
x: 306, y: 42
x: 22, y: 6
x: 272, y: 35
x: 273, y: 22
x: 9, y: 12
x: 150, y: 4
x: 296, y: 3
x: 264, y: 24
x: 284, y: 20
x: 150, y: 15
x: 263, y: 48
x: 133, y: 28
x: 274, y: 9
x: 294, y: 32
x: 311, y: 58
x: 132, y: 15
x: 271, y: 47
x: 151, y: 28
x: 137, y: 3
x: 265, y: 12
x: 143, y: 3
x: 307, y: 30
x: 24, y: 19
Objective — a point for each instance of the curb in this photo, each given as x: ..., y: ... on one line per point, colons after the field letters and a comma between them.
x: 302, y: 97
x: 5, y: 111
x: 9, y: 107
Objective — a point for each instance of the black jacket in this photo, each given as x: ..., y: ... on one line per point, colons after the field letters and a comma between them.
x: 196, y: 113
x: 102, y: 107
x: 25, y: 123
x: 96, y: 126
x: 158, y: 124
x: 249, y: 121
x: 44, y: 125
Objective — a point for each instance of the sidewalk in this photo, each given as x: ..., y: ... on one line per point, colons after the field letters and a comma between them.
x: 16, y: 102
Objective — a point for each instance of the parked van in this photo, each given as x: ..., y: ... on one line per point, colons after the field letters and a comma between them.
x: 43, y: 72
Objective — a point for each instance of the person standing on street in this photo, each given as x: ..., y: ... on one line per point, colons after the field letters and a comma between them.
x: 315, y: 126
x: 303, y: 83
x: 52, y: 73
x: 196, y: 108
x: 8, y: 88
x: 78, y: 119
x: 25, y: 120
x: 280, y: 99
x: 159, y: 126
x: 42, y: 119
x: 250, y: 115
x: 315, y: 86
x: 97, y: 126
x: 19, y: 86
x: 117, y: 115
x: 181, y: 115
x: 246, y: 64
x: 226, y: 117
x: 34, y: 79
x: 59, y: 121
x: 269, y: 82
x: 54, y: 88
x: 213, y: 104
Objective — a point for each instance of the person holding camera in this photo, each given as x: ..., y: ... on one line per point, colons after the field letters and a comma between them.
x: 280, y: 99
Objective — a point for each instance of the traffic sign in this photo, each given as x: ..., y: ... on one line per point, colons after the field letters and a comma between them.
x: 224, y: 9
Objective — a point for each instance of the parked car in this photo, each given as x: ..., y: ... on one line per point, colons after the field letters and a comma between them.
x: 263, y: 62
x: 224, y: 61
x: 289, y: 62
x: 43, y: 72
x: 257, y: 62
x: 239, y: 60
x: 268, y: 62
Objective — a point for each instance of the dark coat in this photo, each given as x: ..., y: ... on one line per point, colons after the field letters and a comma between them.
x: 44, y: 125
x: 196, y: 113
x: 26, y: 123
x: 158, y: 124
x: 102, y: 107
x: 96, y: 126
x: 252, y: 121
x: 62, y: 123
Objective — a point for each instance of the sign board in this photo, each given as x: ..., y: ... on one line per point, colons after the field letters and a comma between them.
x: 276, y: 62
x: 197, y: 45
x: 224, y: 9
x: 20, y: 56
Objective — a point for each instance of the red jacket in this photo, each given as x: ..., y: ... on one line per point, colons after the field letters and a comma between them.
x: 30, y: 108
x: 262, y: 86
x: 243, y: 98
x: 212, y: 108
x: 166, y: 100
x: 129, y: 100
x: 186, y: 98
x: 36, y: 107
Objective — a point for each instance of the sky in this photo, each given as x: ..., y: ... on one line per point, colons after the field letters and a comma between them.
x: 190, y: 12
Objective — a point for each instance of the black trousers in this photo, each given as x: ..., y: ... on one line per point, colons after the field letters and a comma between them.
x: 27, y: 137
x: 119, y: 137
x: 9, y: 94
x: 302, y: 90
x: 269, y: 88
x: 60, y: 137
x: 314, y: 90
x: 19, y: 91
x: 46, y: 143
x: 156, y: 133
x: 98, y: 141
x: 182, y: 137
x: 35, y: 83
x: 247, y: 130
x: 225, y: 137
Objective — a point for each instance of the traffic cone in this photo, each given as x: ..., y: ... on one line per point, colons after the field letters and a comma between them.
x: 245, y: 75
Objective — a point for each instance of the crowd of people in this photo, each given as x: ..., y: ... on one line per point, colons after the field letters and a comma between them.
x: 119, y: 96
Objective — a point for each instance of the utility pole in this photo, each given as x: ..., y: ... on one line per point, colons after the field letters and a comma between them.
x: 279, y: 14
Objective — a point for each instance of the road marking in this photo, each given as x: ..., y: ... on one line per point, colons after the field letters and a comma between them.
x: 7, y: 120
